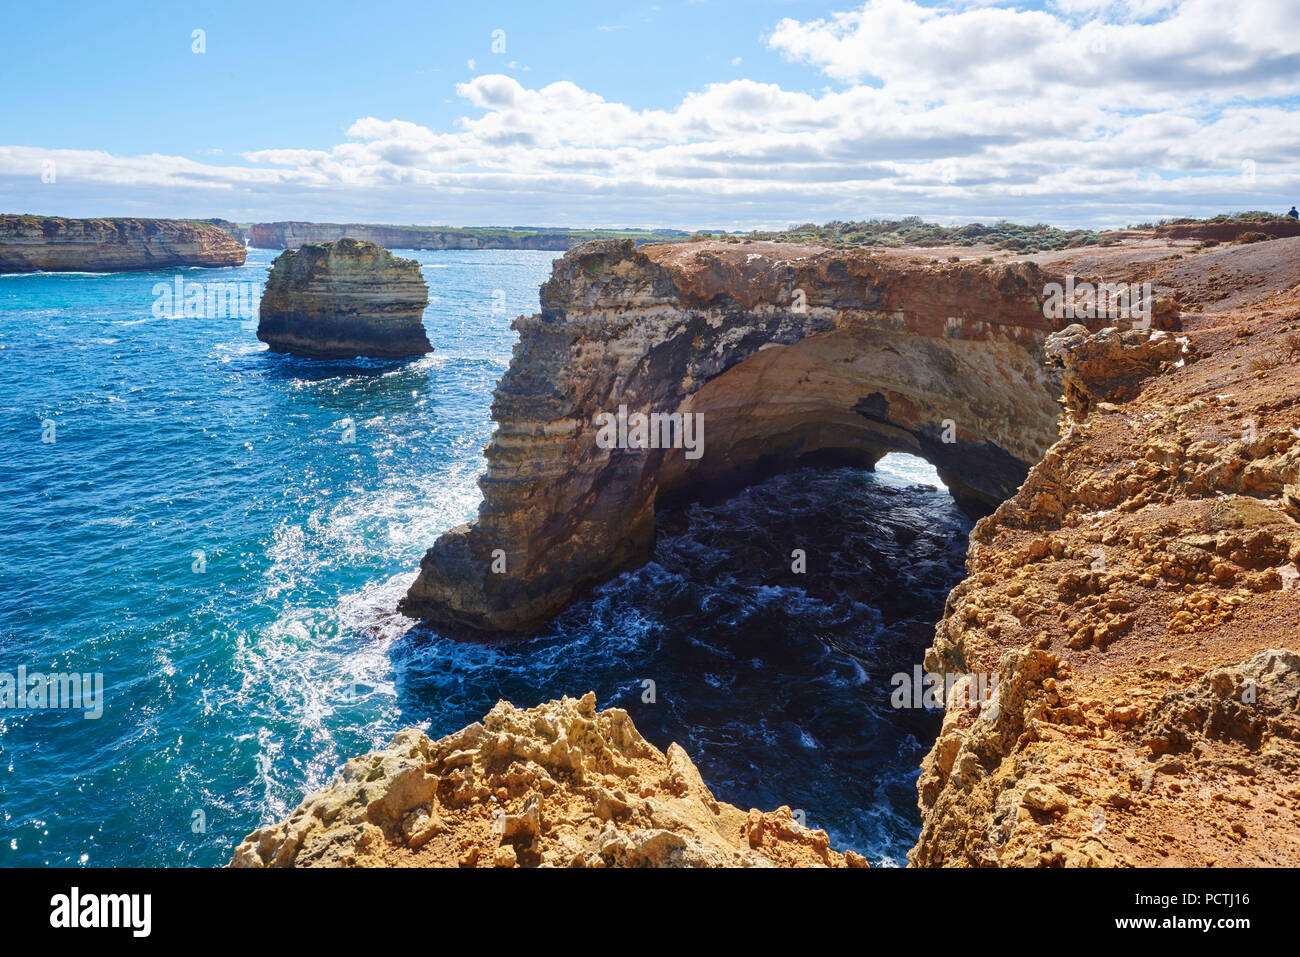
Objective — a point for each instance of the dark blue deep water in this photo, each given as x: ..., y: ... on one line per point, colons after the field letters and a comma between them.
x: 201, y: 533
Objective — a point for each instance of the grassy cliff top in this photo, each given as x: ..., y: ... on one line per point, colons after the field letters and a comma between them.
x: 512, y: 232
x: 1250, y: 216
x: 913, y: 231
x: 29, y: 219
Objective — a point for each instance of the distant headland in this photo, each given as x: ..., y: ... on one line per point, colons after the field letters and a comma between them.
x: 55, y: 244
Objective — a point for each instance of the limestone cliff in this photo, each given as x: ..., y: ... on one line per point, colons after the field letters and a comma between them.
x: 558, y: 785
x: 780, y: 352
x: 344, y: 299
x: 52, y: 244
x: 1137, y: 599
x: 1135, y: 595
x: 236, y: 231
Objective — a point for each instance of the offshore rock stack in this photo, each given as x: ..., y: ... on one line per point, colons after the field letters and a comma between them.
x: 344, y: 299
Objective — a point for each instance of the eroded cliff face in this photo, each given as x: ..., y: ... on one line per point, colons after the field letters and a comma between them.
x: 344, y: 299
x: 787, y: 352
x: 1137, y: 600
x: 52, y: 244
x: 558, y: 785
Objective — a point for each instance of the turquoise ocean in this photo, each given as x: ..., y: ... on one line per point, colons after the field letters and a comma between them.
x: 223, y: 533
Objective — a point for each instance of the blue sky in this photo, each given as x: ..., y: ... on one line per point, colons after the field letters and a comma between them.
x: 689, y: 114
x: 129, y: 83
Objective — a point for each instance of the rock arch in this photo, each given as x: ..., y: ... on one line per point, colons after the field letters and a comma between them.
x: 789, y: 352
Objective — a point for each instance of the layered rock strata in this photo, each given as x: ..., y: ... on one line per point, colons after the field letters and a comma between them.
x: 780, y: 353
x: 1137, y: 599
x: 344, y: 299
x: 53, y: 244
x: 558, y: 785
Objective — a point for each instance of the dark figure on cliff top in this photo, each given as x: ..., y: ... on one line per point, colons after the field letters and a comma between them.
x: 1293, y: 214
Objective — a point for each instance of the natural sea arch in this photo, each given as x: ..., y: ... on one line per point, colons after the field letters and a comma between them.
x: 791, y: 354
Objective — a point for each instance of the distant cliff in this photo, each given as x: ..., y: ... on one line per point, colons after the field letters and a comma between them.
x: 291, y: 235
x: 52, y: 244
x: 234, y: 229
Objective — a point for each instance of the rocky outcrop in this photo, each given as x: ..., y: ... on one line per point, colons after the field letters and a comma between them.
x: 291, y: 235
x: 558, y: 785
x: 780, y: 353
x: 1137, y: 600
x: 52, y: 244
x: 344, y: 299
x: 1111, y: 365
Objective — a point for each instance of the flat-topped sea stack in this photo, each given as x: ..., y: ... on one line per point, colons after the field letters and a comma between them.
x: 53, y: 244
x: 344, y: 299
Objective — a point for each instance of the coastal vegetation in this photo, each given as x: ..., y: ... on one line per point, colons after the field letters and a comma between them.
x: 914, y: 231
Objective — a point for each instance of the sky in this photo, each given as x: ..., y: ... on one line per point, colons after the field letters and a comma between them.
x: 729, y: 114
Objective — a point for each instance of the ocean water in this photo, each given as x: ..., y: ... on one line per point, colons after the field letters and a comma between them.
x: 224, y: 533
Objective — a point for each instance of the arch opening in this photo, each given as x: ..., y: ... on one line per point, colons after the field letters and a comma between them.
x: 939, y: 362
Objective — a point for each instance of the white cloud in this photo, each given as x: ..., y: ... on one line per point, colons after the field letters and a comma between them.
x: 1089, y: 112
x: 1197, y: 49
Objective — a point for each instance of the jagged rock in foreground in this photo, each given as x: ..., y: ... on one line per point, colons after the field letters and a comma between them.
x: 344, y: 299
x: 558, y: 785
x: 53, y: 244
x: 1137, y: 599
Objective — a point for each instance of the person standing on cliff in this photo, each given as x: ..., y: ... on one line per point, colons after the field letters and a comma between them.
x: 1293, y: 214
